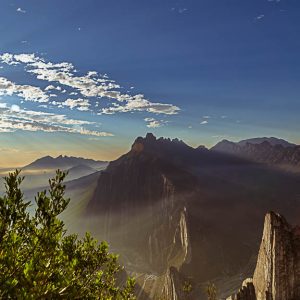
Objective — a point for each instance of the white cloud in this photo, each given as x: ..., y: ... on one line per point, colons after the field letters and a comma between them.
x: 92, y: 73
x: 8, y: 59
x: 138, y: 103
x: 52, y: 87
x: 20, y: 10
x: 15, y: 108
x: 153, y: 123
x: 80, y: 104
x: 206, y: 117
x: 27, y: 92
x: 204, y: 122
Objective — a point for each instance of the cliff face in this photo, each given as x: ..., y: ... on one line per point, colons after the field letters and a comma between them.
x: 142, y: 196
x: 277, y: 272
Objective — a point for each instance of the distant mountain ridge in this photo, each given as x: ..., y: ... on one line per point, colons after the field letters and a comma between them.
x: 272, y: 151
x: 271, y: 140
x: 64, y: 163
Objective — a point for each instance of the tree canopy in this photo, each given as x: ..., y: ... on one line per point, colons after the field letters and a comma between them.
x: 39, y: 260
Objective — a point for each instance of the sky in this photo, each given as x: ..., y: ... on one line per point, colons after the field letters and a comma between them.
x: 86, y: 77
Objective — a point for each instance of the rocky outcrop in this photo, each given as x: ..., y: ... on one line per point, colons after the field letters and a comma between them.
x: 277, y: 272
x: 247, y: 292
x: 184, y: 236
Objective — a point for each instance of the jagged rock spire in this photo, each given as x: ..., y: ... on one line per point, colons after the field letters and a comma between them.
x: 277, y: 272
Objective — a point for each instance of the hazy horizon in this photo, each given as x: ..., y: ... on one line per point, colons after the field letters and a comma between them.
x: 25, y: 160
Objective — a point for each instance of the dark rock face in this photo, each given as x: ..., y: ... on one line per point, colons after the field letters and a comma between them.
x: 246, y: 292
x: 277, y: 272
x: 140, y: 178
x: 145, y: 192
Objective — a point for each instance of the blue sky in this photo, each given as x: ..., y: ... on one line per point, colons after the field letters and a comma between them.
x: 87, y: 77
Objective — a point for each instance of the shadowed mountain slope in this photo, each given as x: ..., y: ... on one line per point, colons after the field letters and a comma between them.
x: 165, y: 204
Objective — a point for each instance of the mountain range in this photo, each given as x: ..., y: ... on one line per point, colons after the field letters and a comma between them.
x: 64, y: 163
x: 182, y: 216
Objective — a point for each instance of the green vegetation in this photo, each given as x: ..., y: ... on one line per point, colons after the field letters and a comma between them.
x: 187, y: 287
x: 211, y: 291
x: 38, y: 260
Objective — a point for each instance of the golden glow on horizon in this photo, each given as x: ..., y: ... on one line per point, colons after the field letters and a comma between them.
x: 14, y: 158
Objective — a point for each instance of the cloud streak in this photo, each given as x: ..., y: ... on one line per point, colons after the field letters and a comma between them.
x: 91, y: 85
x: 13, y: 118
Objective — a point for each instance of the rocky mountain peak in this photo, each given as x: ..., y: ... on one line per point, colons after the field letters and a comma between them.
x: 158, y: 146
x: 141, y: 142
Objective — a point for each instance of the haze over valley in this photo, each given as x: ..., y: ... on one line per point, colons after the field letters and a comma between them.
x: 173, y: 210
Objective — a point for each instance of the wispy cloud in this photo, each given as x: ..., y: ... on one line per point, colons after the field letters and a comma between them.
x: 153, y: 123
x: 204, y: 122
x: 10, y: 150
x: 14, y: 118
x: 179, y: 10
x: 91, y: 85
x: 79, y: 104
x: 259, y: 17
x: 138, y: 103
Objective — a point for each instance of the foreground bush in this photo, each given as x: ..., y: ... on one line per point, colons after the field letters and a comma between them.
x: 38, y: 260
